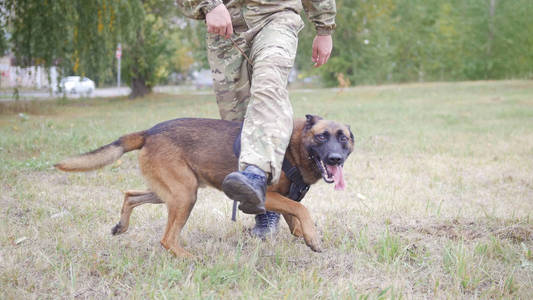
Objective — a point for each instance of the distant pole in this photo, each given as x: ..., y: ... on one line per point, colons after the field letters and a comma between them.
x: 119, y: 57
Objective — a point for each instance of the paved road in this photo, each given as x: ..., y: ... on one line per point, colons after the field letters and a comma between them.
x: 111, y: 92
x: 43, y: 95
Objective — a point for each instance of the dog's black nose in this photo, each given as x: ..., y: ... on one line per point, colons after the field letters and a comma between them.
x: 334, y: 159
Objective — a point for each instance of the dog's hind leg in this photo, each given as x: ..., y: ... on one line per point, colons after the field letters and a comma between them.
x: 278, y: 203
x: 169, y: 175
x: 179, y: 205
x: 133, y: 199
x: 294, y: 225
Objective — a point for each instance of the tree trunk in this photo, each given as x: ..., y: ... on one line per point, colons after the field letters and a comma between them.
x: 492, y: 7
x: 488, y: 61
x: 139, y: 88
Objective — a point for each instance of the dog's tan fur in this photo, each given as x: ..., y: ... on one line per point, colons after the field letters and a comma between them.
x: 179, y: 156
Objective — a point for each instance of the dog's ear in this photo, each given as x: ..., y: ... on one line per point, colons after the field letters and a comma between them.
x: 351, y: 134
x: 311, y: 120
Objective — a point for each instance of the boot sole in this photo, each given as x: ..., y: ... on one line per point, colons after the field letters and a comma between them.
x: 236, y: 188
x: 264, y: 233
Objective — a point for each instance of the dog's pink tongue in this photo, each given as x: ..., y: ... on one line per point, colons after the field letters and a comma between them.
x: 336, y: 172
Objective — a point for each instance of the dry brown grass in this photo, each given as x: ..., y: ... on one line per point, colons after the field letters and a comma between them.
x: 438, y: 204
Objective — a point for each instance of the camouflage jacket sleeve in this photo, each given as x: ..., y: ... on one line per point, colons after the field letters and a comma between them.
x: 197, y: 9
x: 322, y: 14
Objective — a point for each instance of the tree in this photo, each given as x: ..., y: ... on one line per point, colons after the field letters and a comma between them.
x: 80, y: 37
x: 147, y: 48
x: 376, y: 41
x: 3, y: 40
x: 426, y: 40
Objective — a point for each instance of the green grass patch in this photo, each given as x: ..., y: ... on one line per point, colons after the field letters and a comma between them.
x: 437, y: 205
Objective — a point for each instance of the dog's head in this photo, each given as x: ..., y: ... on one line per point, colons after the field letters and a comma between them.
x: 328, y: 144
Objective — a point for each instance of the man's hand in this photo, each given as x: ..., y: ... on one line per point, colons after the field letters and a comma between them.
x: 218, y: 21
x: 322, y: 45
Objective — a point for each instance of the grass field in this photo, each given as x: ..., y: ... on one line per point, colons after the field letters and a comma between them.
x: 439, y: 203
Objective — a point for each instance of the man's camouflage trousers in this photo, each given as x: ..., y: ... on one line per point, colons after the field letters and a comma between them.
x: 254, y: 90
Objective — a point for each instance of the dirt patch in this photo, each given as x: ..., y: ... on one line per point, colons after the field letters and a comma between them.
x: 515, y: 233
x: 469, y: 230
x: 454, y: 231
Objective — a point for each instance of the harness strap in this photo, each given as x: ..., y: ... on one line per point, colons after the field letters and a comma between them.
x: 298, y: 187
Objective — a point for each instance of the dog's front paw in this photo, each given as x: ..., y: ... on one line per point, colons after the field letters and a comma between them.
x: 118, y: 229
x: 313, y: 243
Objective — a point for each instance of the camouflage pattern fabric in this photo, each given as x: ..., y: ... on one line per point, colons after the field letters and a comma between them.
x: 256, y: 92
x: 268, y: 121
x: 321, y: 13
x: 231, y: 74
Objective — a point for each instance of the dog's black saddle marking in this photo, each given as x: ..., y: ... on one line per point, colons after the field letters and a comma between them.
x: 298, y: 187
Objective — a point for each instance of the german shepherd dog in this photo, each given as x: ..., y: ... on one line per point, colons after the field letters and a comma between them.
x: 178, y: 156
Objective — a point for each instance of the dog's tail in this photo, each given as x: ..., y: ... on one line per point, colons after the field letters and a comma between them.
x: 104, y: 155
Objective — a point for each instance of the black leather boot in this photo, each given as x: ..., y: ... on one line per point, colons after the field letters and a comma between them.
x: 249, y: 188
x: 266, y: 225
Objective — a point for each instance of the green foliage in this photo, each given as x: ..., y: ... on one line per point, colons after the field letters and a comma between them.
x: 462, y: 266
x: 426, y: 40
x: 38, y: 30
x: 80, y: 37
x: 77, y: 36
x: 3, y: 40
x: 375, y: 42
x: 389, y: 248
x: 146, y: 49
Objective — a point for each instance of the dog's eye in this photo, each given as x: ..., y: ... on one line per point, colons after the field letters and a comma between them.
x: 343, y: 139
x: 321, y: 137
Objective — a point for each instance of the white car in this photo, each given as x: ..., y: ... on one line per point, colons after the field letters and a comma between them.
x: 76, y: 85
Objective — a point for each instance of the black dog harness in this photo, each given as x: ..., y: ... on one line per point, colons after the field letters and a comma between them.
x: 298, y: 187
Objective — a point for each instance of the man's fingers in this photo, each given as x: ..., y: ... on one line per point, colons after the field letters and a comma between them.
x: 214, y: 29
x: 228, y: 30
x: 324, y: 58
x: 218, y: 21
x: 223, y: 30
x: 320, y: 59
x: 322, y: 46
